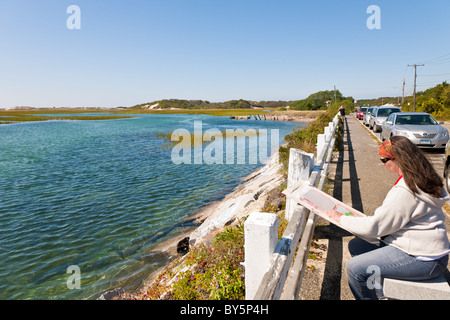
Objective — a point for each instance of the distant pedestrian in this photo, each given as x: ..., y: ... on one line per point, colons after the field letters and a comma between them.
x: 406, y: 237
x: 342, y: 112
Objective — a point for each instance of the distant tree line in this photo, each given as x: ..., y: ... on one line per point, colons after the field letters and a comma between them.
x: 317, y: 101
x: 203, y: 104
x: 435, y: 101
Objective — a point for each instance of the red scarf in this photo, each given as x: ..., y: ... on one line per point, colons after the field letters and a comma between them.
x: 398, y: 180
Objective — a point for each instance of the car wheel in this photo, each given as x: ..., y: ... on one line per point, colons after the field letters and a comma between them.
x: 447, y: 176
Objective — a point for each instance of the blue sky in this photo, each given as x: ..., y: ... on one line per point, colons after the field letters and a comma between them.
x: 136, y: 51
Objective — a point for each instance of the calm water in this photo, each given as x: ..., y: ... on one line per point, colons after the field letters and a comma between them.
x: 99, y: 195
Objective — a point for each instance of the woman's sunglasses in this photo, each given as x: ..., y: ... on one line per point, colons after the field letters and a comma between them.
x: 384, y: 160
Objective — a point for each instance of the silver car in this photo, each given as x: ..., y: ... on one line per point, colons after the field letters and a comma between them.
x: 379, y: 115
x: 419, y: 127
x: 367, y: 115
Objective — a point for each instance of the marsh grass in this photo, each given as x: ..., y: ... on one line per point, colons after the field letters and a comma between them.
x: 172, y: 140
x: 13, y: 116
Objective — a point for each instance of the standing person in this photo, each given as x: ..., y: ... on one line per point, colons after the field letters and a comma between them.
x: 342, y: 112
x: 406, y: 237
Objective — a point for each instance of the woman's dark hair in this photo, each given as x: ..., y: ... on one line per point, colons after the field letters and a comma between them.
x: 417, y: 170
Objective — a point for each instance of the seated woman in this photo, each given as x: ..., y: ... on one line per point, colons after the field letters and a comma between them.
x: 406, y: 237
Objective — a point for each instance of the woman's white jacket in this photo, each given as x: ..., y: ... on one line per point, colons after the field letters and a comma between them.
x: 412, y: 223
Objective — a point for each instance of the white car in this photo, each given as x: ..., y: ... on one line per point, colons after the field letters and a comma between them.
x: 367, y: 115
x: 379, y: 115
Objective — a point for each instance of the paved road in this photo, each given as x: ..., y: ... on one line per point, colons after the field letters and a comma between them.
x: 360, y: 180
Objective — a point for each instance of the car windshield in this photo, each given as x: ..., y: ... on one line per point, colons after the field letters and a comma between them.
x: 386, y: 112
x: 420, y: 119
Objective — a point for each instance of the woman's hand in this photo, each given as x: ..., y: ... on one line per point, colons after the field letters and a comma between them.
x: 334, y: 215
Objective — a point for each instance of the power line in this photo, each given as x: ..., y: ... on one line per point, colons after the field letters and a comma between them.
x: 434, y: 75
x: 444, y: 58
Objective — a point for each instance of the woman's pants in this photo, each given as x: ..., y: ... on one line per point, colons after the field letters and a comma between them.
x: 371, y: 263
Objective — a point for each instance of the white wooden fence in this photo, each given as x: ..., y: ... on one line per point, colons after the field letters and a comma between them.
x: 271, y: 273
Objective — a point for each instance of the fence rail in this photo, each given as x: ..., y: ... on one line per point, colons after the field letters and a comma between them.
x: 271, y: 272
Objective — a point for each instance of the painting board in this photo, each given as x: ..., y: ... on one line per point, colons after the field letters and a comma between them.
x: 318, y: 201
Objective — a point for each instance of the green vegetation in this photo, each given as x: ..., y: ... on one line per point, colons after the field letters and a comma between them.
x: 201, y: 104
x: 204, y: 137
x: 316, y: 101
x: 211, y: 272
x: 211, y: 112
x: 208, y: 272
x: 306, y: 139
x: 319, y: 101
x: 13, y: 116
x: 379, y: 101
x: 435, y: 101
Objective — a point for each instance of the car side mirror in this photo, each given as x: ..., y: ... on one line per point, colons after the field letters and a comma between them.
x: 441, y: 122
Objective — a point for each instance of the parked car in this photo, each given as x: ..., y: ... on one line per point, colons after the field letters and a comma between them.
x: 360, y: 112
x: 379, y: 115
x: 419, y: 127
x: 367, y: 115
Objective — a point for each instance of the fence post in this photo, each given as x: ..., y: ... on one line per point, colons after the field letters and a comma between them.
x: 327, y: 132
x: 261, y: 238
x: 321, y: 145
x: 300, y: 166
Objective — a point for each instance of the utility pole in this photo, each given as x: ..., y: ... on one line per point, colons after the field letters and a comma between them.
x: 415, y: 77
x: 403, y: 92
x: 335, y: 100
